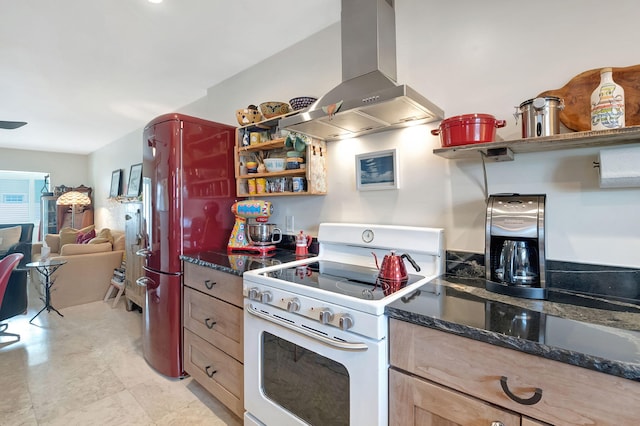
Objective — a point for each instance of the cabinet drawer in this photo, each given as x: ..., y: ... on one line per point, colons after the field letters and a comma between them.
x: 227, y: 287
x: 216, y: 371
x: 570, y: 395
x: 413, y: 401
x: 217, y: 322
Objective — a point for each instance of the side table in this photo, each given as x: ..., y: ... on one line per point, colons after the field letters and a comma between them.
x: 47, y: 268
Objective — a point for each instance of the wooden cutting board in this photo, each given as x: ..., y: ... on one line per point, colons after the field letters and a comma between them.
x: 577, y: 97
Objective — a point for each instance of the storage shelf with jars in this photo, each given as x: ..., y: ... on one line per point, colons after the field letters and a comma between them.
x: 258, y: 141
x: 505, y: 150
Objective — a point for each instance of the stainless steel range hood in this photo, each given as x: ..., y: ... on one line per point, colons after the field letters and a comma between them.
x: 368, y: 100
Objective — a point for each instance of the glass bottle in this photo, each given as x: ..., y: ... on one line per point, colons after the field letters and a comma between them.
x: 607, y: 103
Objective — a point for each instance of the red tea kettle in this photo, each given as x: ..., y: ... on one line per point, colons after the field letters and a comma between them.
x: 392, y: 274
x: 302, y: 244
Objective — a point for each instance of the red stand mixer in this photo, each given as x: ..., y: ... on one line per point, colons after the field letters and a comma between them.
x: 259, y: 237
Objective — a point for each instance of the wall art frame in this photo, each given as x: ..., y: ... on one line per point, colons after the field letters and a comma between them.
x: 377, y: 171
x: 135, y: 181
x: 116, y: 183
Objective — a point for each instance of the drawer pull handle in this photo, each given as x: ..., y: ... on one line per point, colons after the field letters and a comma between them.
x: 209, y: 284
x: 497, y: 423
x: 210, y: 373
x: 537, y: 395
x: 209, y: 323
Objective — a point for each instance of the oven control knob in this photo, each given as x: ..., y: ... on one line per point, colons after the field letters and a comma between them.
x: 325, y: 316
x: 266, y: 297
x: 345, y: 322
x: 293, y: 305
x: 254, y: 293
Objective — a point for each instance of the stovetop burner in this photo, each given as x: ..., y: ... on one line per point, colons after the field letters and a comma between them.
x: 346, y: 279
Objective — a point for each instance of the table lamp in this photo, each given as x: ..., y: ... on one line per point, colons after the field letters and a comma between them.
x: 73, y: 199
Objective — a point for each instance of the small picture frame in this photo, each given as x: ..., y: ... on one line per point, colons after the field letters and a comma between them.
x: 116, y: 182
x: 135, y: 181
x: 377, y: 170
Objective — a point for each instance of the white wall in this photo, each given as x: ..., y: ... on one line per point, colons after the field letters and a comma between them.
x: 466, y: 57
x: 64, y: 169
x: 120, y: 154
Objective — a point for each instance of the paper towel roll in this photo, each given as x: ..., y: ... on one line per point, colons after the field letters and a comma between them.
x: 620, y: 167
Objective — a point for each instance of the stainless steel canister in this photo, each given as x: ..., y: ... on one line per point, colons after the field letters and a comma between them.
x: 540, y: 116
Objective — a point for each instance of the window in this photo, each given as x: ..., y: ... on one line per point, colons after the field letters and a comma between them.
x: 20, y: 197
x: 13, y: 198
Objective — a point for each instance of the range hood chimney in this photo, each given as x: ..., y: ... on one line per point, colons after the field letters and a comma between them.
x: 368, y: 100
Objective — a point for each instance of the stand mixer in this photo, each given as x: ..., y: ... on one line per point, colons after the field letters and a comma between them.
x: 257, y: 237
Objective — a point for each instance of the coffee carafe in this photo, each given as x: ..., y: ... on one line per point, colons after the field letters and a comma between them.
x: 517, y: 264
x: 515, y: 245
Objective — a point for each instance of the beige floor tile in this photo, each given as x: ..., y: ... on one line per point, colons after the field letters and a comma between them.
x: 21, y: 417
x: 117, y: 409
x: 87, y: 368
x: 160, y: 396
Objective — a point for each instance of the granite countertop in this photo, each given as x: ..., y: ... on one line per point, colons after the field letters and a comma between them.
x: 587, y: 331
x: 237, y: 264
x: 594, y: 332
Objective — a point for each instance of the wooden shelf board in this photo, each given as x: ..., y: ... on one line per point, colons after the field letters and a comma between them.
x: 291, y: 172
x: 598, y: 138
x: 280, y: 194
x: 272, y: 144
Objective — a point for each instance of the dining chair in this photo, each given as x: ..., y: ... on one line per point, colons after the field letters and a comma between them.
x: 7, y: 265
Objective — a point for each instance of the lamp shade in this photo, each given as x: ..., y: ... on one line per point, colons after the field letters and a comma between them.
x: 73, y: 198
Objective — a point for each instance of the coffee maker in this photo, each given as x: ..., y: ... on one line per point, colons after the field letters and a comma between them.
x: 515, y: 245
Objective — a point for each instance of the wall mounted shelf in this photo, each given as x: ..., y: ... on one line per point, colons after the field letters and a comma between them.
x: 505, y: 150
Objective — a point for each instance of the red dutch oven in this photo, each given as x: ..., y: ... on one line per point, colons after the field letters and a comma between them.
x: 467, y: 129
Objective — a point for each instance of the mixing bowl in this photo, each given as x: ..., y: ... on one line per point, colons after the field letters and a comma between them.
x: 263, y: 234
x: 274, y: 164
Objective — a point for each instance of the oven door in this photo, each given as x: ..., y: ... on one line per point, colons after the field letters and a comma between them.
x: 296, y: 372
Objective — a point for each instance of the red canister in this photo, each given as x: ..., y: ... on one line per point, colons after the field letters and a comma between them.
x: 467, y: 129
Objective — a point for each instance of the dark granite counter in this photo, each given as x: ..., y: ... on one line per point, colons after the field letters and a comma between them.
x: 587, y: 330
x: 237, y: 264
x: 584, y: 330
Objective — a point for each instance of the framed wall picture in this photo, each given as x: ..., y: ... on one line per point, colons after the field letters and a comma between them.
x: 135, y: 181
x: 116, y: 182
x: 377, y: 170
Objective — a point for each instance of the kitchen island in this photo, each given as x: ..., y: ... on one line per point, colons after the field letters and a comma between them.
x: 571, y: 359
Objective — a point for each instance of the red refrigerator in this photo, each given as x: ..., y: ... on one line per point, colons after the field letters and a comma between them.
x: 188, y: 189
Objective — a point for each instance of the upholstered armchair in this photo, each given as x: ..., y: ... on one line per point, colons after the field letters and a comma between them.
x: 86, y: 276
x: 15, y: 300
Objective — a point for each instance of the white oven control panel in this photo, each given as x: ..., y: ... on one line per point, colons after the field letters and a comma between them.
x: 326, y: 314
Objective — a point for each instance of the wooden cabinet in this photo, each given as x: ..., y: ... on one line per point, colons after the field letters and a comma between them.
x: 78, y: 216
x: 133, y: 242
x: 48, y: 216
x: 213, y: 333
x: 473, y: 372
x: 314, y: 170
x: 418, y: 402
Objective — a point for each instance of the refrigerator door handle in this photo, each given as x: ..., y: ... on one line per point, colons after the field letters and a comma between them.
x: 147, y: 283
x: 145, y: 252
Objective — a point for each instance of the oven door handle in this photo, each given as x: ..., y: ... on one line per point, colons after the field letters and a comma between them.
x: 350, y: 346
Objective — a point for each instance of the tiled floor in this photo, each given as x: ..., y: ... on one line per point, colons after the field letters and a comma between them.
x: 87, y: 368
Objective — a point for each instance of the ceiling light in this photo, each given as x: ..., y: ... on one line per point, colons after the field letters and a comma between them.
x: 155, y: 1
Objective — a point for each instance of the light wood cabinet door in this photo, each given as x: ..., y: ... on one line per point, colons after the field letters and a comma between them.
x: 216, y: 371
x: 217, y: 322
x: 413, y: 401
x: 227, y: 287
x: 530, y: 422
x: 552, y: 391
